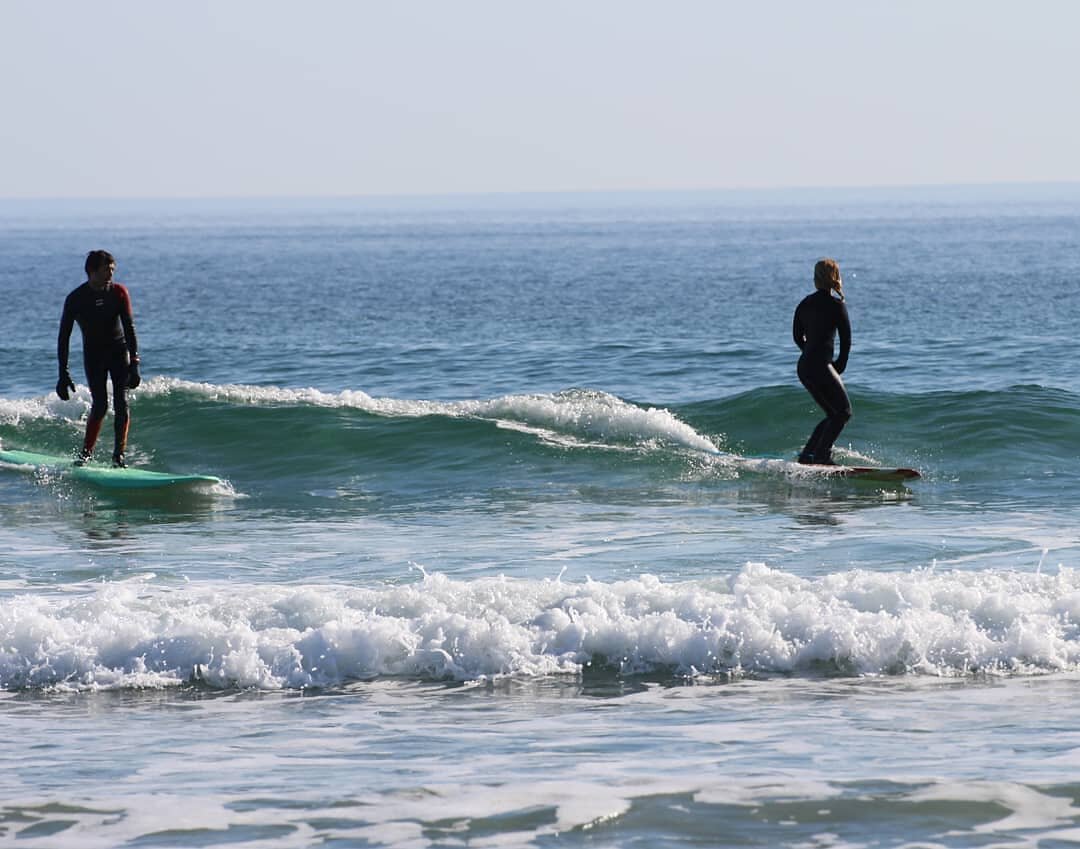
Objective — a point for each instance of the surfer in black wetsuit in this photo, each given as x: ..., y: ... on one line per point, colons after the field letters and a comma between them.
x: 819, y: 318
x: 102, y: 309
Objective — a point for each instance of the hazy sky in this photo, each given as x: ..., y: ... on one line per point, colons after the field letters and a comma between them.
x: 134, y: 98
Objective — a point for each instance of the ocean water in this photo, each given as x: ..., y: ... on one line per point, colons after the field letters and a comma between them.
x: 510, y: 550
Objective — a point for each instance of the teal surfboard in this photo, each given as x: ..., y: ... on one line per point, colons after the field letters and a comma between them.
x: 105, y: 476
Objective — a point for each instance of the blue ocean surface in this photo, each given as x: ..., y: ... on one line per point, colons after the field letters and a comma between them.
x: 509, y: 548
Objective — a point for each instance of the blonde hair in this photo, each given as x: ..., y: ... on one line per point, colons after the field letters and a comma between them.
x: 827, y: 276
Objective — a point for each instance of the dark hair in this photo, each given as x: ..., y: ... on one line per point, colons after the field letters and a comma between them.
x: 97, y: 259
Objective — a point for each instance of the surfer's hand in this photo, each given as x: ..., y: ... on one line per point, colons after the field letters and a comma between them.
x: 65, y: 386
x: 840, y: 366
x: 134, y: 378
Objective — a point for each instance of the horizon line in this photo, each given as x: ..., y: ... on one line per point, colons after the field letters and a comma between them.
x: 553, y: 193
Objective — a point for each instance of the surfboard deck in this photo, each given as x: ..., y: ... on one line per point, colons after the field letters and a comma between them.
x: 869, y: 473
x: 105, y: 476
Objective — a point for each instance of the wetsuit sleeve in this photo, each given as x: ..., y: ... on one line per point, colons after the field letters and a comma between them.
x: 843, y: 330
x: 797, y: 331
x: 63, y: 340
x: 128, y: 321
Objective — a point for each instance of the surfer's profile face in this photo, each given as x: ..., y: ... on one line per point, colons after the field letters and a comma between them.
x: 102, y: 276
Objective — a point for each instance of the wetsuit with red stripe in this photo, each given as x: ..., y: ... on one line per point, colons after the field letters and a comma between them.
x: 819, y: 319
x: 109, y: 345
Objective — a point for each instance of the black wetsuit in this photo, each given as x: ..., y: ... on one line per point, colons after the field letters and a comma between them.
x: 109, y: 345
x: 818, y: 320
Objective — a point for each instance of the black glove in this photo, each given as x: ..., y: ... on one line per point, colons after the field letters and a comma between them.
x: 65, y: 386
x: 134, y: 378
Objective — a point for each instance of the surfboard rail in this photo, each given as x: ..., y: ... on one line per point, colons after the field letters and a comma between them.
x: 101, y: 475
x: 870, y: 473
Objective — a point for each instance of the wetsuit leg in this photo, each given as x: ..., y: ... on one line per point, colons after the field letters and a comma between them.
x: 118, y: 371
x: 827, y: 389
x: 97, y: 373
x: 807, y: 454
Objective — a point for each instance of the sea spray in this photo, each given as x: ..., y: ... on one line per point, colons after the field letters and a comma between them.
x: 758, y: 620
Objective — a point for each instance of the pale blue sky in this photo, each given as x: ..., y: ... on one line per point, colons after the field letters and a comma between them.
x: 130, y: 98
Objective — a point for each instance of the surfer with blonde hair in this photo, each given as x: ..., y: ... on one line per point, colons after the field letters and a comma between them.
x: 820, y: 317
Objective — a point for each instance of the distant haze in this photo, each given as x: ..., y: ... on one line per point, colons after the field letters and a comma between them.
x: 252, y: 99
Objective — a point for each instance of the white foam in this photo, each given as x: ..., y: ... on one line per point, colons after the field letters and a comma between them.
x: 786, y: 468
x: 1029, y: 809
x: 597, y: 415
x: 139, y: 634
x: 577, y: 418
x: 15, y: 411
